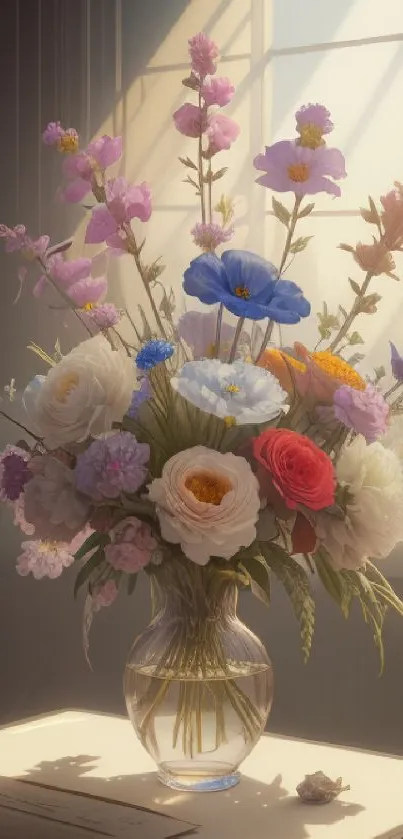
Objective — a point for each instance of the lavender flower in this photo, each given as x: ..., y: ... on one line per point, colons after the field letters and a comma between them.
x: 139, y: 396
x: 209, y: 236
x: 396, y: 362
x: 364, y: 411
x: 112, y: 465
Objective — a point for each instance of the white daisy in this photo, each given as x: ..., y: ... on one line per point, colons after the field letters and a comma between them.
x: 239, y: 391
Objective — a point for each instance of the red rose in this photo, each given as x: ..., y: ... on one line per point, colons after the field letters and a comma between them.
x: 300, y: 471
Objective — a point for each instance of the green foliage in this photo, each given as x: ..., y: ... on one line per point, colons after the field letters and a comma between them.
x: 296, y: 584
x: 95, y: 540
x: 300, y: 244
x: 85, y: 572
x: 256, y: 570
x: 281, y: 212
x: 306, y: 211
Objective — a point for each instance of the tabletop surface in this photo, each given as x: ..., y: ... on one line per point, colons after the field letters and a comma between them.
x: 99, y: 755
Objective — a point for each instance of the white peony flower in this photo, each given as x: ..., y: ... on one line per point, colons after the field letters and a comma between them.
x: 393, y: 438
x: 374, y: 524
x: 248, y: 394
x: 207, y: 502
x: 82, y: 395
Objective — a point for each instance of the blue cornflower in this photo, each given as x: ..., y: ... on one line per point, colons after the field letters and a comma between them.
x: 153, y: 352
x: 247, y: 285
x: 142, y: 394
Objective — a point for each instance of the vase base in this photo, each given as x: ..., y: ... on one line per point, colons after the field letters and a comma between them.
x: 210, y: 777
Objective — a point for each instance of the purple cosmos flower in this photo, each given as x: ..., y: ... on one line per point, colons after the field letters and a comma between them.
x: 209, y: 236
x: 131, y: 546
x: 66, y: 139
x: 79, y: 168
x: 17, y: 239
x: 74, y: 277
x: 203, y: 54
x: 141, y: 395
x: 364, y: 411
x: 198, y: 330
x: 14, y: 472
x: 51, y: 501
x: 290, y: 167
x: 217, y: 91
x: 111, y: 466
x: 123, y: 203
x: 103, y: 316
x: 396, y: 362
x: 316, y: 115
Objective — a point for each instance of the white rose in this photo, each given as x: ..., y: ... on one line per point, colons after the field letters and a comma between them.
x: 207, y: 502
x: 82, y: 395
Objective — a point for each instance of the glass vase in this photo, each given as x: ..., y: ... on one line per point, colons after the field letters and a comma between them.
x: 198, y: 683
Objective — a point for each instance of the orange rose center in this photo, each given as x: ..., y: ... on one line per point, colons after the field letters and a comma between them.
x: 65, y: 386
x: 208, y: 487
x: 68, y: 143
x: 298, y: 172
x: 241, y: 291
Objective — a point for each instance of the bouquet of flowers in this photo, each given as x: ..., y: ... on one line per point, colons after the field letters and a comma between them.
x: 195, y: 445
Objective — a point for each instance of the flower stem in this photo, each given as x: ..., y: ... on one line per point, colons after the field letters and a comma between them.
x: 22, y: 427
x: 291, y: 229
x: 210, y: 193
x: 354, y: 311
x: 218, y: 331
x: 266, y: 339
x: 238, y: 331
x: 134, y: 250
x: 392, y: 389
x: 200, y: 166
x: 63, y: 295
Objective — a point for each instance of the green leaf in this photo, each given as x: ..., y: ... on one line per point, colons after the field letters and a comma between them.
x: 306, y: 211
x: 257, y: 571
x: 380, y: 372
x: 281, y: 212
x: 215, y: 176
x: 131, y: 583
x: 300, y: 244
x: 355, y: 359
x: 354, y: 286
x: 344, y: 247
x: 355, y: 338
x: 87, y: 569
x: 96, y: 540
x: 296, y: 584
x: 333, y: 582
x: 188, y: 162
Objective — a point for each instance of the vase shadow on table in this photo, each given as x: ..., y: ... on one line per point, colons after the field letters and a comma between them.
x: 252, y: 803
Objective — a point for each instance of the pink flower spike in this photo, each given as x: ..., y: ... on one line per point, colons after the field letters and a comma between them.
x: 74, y: 192
x: 100, y: 226
x: 66, y: 272
x: 117, y: 243
x: 52, y: 133
x: 290, y: 167
x: 316, y: 115
x: 15, y: 237
x: 88, y: 291
x: 105, y: 150
x: 190, y: 120
x: 203, y: 54
x: 104, y: 595
x: 104, y: 316
x: 217, y: 91
x: 209, y: 236
x: 221, y: 132
x: 35, y: 248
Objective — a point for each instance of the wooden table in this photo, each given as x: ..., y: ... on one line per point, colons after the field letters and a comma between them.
x: 99, y: 756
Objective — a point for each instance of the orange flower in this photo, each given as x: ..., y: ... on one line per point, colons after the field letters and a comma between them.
x: 278, y: 363
x: 374, y: 258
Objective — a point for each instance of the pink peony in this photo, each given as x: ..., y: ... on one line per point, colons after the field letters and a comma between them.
x: 203, y: 54
x: 290, y: 167
x: 222, y: 131
x: 207, y: 502
x: 131, y: 547
x: 209, y: 236
x: 190, y: 120
x: 123, y: 203
x: 217, y: 91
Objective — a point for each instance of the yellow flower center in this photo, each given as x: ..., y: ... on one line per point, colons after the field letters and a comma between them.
x: 230, y: 421
x: 232, y: 389
x: 311, y: 136
x: 68, y: 144
x: 298, y: 172
x: 211, y: 350
x: 336, y: 367
x: 208, y: 487
x: 242, y: 291
x: 65, y: 386
x: 47, y: 545
x: 88, y: 307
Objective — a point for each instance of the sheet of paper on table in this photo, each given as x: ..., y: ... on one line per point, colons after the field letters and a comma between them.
x: 32, y: 811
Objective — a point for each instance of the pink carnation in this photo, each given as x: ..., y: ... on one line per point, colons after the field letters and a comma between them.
x: 221, y: 132
x: 217, y: 91
x: 203, y: 54
x: 364, y: 411
x: 131, y: 547
x: 124, y: 202
x: 190, y: 120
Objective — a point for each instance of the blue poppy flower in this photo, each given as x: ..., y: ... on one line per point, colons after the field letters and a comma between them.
x: 396, y: 362
x: 247, y: 285
x: 153, y: 352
